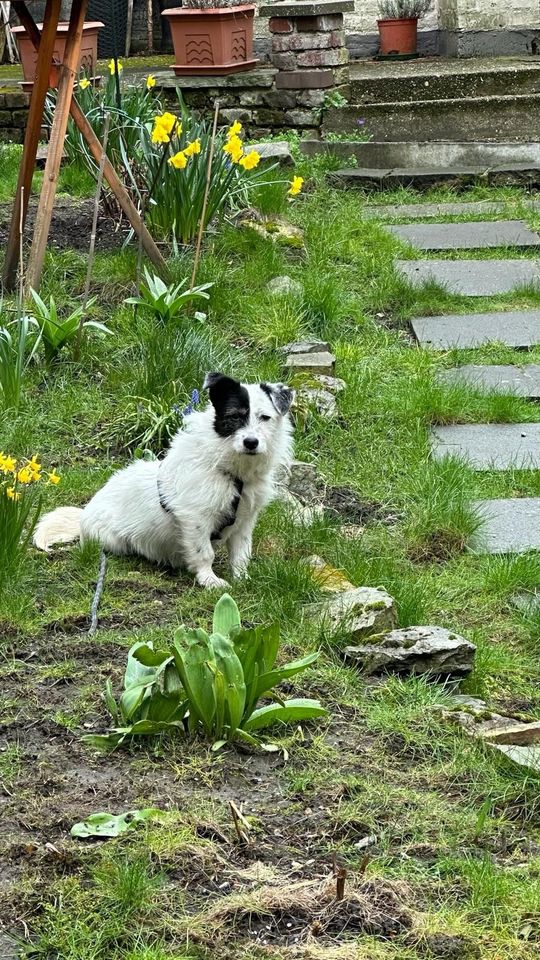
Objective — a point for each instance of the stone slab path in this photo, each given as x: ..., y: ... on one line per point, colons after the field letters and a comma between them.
x: 515, y: 328
x: 428, y: 211
x: 509, y: 526
x: 489, y: 446
x: 466, y: 236
x: 472, y: 278
x: 518, y: 381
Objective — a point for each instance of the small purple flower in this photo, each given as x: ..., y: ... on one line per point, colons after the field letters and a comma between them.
x: 361, y: 122
x: 195, y: 397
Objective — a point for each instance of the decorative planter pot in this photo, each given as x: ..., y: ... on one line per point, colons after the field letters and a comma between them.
x: 88, y: 48
x: 398, y: 37
x: 209, y: 42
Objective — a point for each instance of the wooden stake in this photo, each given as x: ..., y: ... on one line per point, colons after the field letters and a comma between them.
x: 206, y: 192
x: 21, y: 258
x: 45, y: 45
x: 129, y: 28
x: 239, y: 822
x: 150, y: 25
x: 67, y: 73
x: 99, y: 185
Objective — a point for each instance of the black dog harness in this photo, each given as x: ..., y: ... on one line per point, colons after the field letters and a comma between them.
x: 228, y: 519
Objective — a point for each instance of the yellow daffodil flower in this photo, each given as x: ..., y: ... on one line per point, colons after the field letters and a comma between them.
x: 250, y: 160
x: 193, y: 148
x: 234, y: 130
x: 12, y: 494
x: 179, y: 161
x: 150, y: 81
x: 53, y: 477
x: 235, y: 148
x: 165, y: 127
x: 84, y: 83
x: 111, y: 67
x: 25, y: 475
x: 7, y: 463
x: 296, y: 186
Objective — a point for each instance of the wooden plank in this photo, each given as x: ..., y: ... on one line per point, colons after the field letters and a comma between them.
x: 67, y: 73
x: 45, y: 45
x: 118, y: 189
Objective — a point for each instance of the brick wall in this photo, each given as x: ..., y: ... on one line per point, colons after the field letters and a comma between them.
x: 13, y: 117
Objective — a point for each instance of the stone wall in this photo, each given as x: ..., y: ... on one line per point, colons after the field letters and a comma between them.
x: 13, y: 116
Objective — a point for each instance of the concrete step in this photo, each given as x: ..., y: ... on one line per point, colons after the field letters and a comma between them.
x: 373, y: 82
x: 432, y: 154
x: 464, y: 119
x: 365, y: 178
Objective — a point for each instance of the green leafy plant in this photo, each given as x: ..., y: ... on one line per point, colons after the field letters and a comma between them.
x: 167, y: 301
x: 16, y: 353
x: 403, y: 9
x: 56, y: 332
x: 208, y: 684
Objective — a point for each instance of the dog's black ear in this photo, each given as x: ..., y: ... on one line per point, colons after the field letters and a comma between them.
x: 223, y: 390
x: 280, y: 395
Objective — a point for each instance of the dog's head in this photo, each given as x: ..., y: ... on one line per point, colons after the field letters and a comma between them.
x: 250, y: 414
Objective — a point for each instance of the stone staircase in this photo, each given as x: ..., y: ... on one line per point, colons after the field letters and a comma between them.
x: 434, y: 99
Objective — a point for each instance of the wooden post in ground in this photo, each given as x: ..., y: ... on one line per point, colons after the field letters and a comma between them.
x: 67, y: 72
x: 33, y: 128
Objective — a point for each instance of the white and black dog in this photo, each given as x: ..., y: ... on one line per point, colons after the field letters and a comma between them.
x: 218, y: 474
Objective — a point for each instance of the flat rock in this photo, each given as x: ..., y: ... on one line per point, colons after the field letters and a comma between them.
x: 472, y: 278
x: 303, y: 481
x: 519, y: 735
x: 509, y: 526
x: 515, y: 328
x: 334, y: 384
x: 277, y: 151
x: 301, y: 514
x: 425, y: 211
x: 323, y: 401
x: 328, y: 577
x: 285, y: 287
x: 305, y: 346
x: 519, y: 381
x: 489, y: 446
x: 424, y: 649
x: 311, y: 363
x: 359, y: 612
x: 466, y: 236
x: 525, y: 757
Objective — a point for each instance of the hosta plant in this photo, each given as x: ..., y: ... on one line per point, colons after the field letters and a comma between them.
x: 209, y: 685
x: 56, y: 331
x: 168, y: 301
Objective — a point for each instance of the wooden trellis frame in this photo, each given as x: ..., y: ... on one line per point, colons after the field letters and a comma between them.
x: 62, y: 76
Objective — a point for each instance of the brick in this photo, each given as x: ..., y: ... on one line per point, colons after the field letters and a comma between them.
x: 305, y: 80
x: 280, y: 99
x: 268, y: 118
x: 284, y: 61
x: 19, y: 118
x: 15, y: 100
x: 341, y: 76
x: 280, y: 25
x: 252, y: 98
x: 323, y: 58
x: 308, y: 41
x: 229, y: 116
x: 323, y: 24
x: 311, y: 98
x: 302, y: 118
x: 5, y: 118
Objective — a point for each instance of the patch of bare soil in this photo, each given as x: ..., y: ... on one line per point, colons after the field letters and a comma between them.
x: 71, y: 225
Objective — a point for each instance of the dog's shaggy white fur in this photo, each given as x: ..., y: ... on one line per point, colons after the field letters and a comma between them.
x: 218, y: 474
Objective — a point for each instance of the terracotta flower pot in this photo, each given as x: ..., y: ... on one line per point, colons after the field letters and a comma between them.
x: 215, y: 41
x: 88, y: 48
x: 398, y: 36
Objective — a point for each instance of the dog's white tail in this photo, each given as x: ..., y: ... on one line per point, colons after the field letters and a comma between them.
x: 59, y: 526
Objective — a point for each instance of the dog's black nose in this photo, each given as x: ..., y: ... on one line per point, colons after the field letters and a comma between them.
x: 251, y: 443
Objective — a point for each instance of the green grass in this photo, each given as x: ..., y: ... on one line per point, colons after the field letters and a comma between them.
x: 454, y: 823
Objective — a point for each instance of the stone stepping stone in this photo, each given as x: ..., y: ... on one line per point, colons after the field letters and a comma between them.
x: 425, y: 211
x: 509, y: 526
x: 472, y: 278
x: 489, y: 446
x: 466, y: 236
x: 515, y: 328
x: 518, y: 381
x: 323, y: 363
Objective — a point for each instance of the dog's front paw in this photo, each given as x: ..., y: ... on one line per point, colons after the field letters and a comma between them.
x: 240, y: 572
x: 211, y: 582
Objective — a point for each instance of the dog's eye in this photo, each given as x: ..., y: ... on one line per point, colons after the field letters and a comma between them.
x: 264, y: 417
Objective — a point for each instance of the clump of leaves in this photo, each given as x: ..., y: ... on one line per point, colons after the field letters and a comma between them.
x: 55, y: 331
x: 167, y: 301
x: 208, y: 685
x: 104, y: 825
